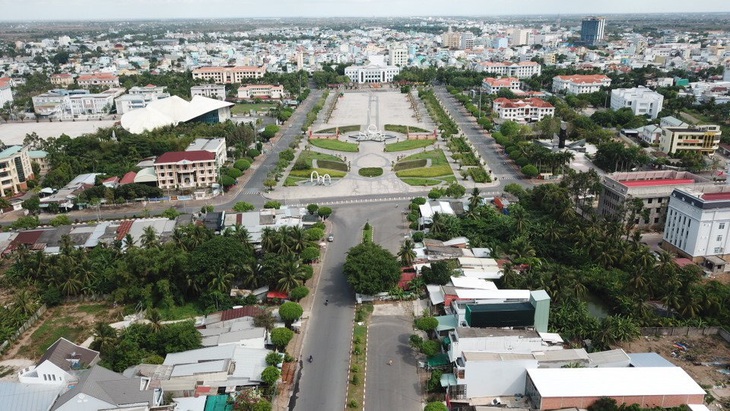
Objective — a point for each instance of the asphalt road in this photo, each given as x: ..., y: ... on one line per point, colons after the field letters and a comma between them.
x: 324, y: 382
x: 505, y: 171
x: 395, y: 386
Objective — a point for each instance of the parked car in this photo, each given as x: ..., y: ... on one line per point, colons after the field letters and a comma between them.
x: 331, y: 238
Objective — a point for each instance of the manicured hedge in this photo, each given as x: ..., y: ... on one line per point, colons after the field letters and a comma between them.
x: 371, y: 172
x: 405, y: 165
x: 332, y: 165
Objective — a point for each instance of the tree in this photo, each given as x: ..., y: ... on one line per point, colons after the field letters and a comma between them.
x: 60, y: 220
x: 242, y: 164
x: 272, y: 204
x: 270, y: 375
x: 436, y: 406
x: 406, y: 253
x: 438, y: 273
x: 324, y: 212
x: 431, y: 348
x: 427, y: 324
x: 310, y: 254
x: 26, y: 222
x: 290, y: 312
x: 227, y: 181
x: 243, y: 207
x: 530, y: 171
x: 371, y: 269
x: 312, y: 208
x: 280, y: 337
x: 269, y: 132
x: 274, y: 358
x: 33, y: 204
x: 298, y: 293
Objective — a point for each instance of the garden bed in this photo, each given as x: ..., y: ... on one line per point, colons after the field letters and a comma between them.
x: 343, y: 129
x: 371, y: 172
x: 335, y: 145
x: 399, y: 128
x: 406, y: 165
x: 408, y: 145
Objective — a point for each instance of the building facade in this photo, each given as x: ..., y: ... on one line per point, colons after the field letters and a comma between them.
x: 641, y: 101
x: 528, y: 110
x: 6, y: 91
x: 216, y: 146
x: 398, y: 55
x: 228, y: 75
x: 105, y: 80
x: 216, y: 91
x: 263, y: 91
x: 523, y: 69
x: 702, y: 138
x: 592, y: 30
x: 698, y: 222
x: 15, y: 170
x: 493, y: 85
x: 186, y: 170
x: 139, y: 97
x: 372, y: 73
x: 62, y: 79
x: 93, y: 103
x: 652, y: 187
x: 580, y: 83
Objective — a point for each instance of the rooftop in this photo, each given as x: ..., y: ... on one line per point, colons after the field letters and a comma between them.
x: 178, y: 156
x: 657, y: 182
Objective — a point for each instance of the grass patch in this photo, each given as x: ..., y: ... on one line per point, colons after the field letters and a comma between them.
x: 406, y: 165
x: 181, y: 312
x: 292, y: 181
x: 332, y: 165
x: 370, y: 172
x: 408, y: 145
x: 307, y: 156
x: 245, y: 108
x: 479, y: 175
x: 343, y: 129
x: 413, y: 181
x: 427, y: 172
x: 50, y: 331
x: 93, y: 309
x: 335, y: 145
x: 437, y: 157
x: 321, y: 171
x: 399, y: 128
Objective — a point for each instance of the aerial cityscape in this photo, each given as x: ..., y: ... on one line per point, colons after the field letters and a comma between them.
x: 364, y: 205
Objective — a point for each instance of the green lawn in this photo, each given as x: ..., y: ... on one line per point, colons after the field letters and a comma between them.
x: 50, y: 331
x: 245, y: 108
x: 413, y: 181
x: 437, y: 157
x: 308, y: 156
x: 181, y: 312
x: 335, y: 145
x: 439, y: 170
x: 292, y: 181
x: 93, y: 308
x: 321, y: 171
x: 399, y: 128
x: 408, y: 145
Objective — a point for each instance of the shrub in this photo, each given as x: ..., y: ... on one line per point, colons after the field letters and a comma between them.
x: 269, y: 375
x: 307, y: 272
x: 242, y: 164
x: 314, y: 234
x: 273, y: 358
x: 416, y: 341
x: 435, y: 193
x: 227, y: 181
x: 371, y: 172
x: 427, y: 324
x: 431, y: 348
x: 310, y: 254
x: 60, y: 220
x: 332, y: 165
x: 243, y: 207
x: 436, y: 406
x: 530, y: 171
x: 171, y: 213
x: 272, y: 204
x: 405, y: 165
x: 287, y: 154
x: 234, y: 173
x: 300, y: 164
x: 419, y: 201
x: 417, y: 236
x: 280, y: 337
x: 479, y: 175
x: 353, y: 404
x: 253, y: 153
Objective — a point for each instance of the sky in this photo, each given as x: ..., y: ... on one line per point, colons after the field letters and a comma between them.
x: 168, y: 9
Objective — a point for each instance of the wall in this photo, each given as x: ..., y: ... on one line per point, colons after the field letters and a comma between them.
x: 29, y: 323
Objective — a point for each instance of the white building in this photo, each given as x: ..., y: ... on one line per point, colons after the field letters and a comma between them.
x: 698, y: 222
x: 58, y: 364
x: 580, y: 83
x: 530, y: 109
x: 98, y: 80
x: 228, y: 75
x: 523, y: 69
x: 139, y: 97
x: 93, y: 103
x: 702, y: 138
x: 493, y: 85
x: 641, y: 101
x: 398, y: 55
x: 175, y: 110
x: 372, y: 73
x: 519, y: 37
x: 263, y: 91
x: 216, y: 91
x: 6, y: 92
x: 214, y: 145
x: 15, y: 170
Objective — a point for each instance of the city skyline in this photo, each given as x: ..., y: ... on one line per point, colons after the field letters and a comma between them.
x: 183, y: 9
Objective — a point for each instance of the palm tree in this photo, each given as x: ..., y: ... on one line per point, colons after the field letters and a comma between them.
x: 72, y: 285
x: 105, y: 338
x: 298, y: 239
x: 149, y: 237
x: 290, y: 273
x: 251, y: 274
x: 268, y: 239
x: 475, y: 199
x: 220, y: 281
x: 155, y: 319
x: 24, y: 303
x: 407, y: 254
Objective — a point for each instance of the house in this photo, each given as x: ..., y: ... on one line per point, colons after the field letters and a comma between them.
x: 526, y: 110
x: 214, y: 145
x: 580, y: 83
x: 262, y: 91
x: 28, y: 397
x: 186, y: 169
x: 256, y: 221
x: 59, y: 363
x: 494, y: 85
x: 105, y: 80
x: 15, y: 169
x: 216, y: 91
x: 101, y: 389
x: 641, y: 101
x: 6, y: 92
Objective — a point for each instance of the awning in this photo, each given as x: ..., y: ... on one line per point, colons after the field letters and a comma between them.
x: 439, y: 360
x: 448, y: 380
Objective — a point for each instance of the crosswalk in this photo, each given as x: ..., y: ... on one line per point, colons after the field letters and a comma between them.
x: 251, y: 191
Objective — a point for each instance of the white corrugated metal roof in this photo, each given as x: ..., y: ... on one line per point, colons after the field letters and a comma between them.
x: 486, y: 274
x: 609, y: 382
x: 473, y: 283
x: 435, y: 294
x: 493, y: 294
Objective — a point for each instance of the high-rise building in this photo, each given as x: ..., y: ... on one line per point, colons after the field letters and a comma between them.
x: 467, y: 40
x: 451, y: 39
x: 398, y: 55
x: 592, y: 30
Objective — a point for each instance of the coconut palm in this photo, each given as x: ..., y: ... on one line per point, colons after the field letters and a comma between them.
x: 290, y: 273
x: 406, y: 254
x: 149, y: 237
x: 220, y: 280
x: 105, y: 338
x: 155, y: 319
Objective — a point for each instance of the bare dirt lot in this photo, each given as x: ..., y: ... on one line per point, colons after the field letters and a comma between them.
x: 706, y: 358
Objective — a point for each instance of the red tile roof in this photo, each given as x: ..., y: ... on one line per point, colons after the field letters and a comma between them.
x: 97, y: 76
x: 405, y: 278
x: 4, y: 81
x: 277, y: 294
x: 247, y: 311
x: 123, y: 229
x: 502, y: 82
x: 716, y: 196
x: 585, y: 78
x: 528, y: 102
x: 178, y: 156
x: 128, y: 178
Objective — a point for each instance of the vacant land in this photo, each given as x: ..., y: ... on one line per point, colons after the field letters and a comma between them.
x: 335, y: 145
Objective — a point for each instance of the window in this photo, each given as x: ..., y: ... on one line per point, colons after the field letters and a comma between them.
x: 719, y: 238
x: 722, y: 226
x: 718, y: 250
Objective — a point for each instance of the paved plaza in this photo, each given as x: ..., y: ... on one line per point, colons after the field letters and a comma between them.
x: 14, y: 133
x: 379, y: 108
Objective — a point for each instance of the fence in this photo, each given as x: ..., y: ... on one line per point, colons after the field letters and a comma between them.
x: 685, y: 331
x: 28, y: 323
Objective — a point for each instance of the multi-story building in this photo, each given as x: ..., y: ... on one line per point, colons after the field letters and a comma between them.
x: 216, y: 146
x: 139, y: 97
x: 54, y: 103
x: 6, y: 92
x: 641, y: 101
x: 228, y: 75
x: 523, y: 69
x: 62, y: 79
x: 186, y: 170
x: 398, y: 55
x: 698, y: 223
x: 702, y: 138
x: 493, y: 85
x: 467, y: 40
x: 263, y: 91
x: 93, y: 103
x: 519, y: 37
x: 527, y: 110
x: 216, y: 91
x: 653, y: 187
x: 451, y: 39
x: 580, y: 83
x: 592, y: 30
x: 15, y: 170
x: 372, y: 73
x: 104, y: 80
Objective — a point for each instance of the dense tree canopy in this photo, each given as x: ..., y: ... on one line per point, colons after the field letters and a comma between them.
x: 371, y: 269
